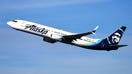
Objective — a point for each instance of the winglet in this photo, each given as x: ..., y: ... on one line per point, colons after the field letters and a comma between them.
x: 93, y: 32
x: 96, y: 27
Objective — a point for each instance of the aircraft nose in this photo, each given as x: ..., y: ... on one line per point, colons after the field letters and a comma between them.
x: 10, y: 23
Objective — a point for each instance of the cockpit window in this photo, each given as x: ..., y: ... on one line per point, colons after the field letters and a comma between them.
x: 14, y: 21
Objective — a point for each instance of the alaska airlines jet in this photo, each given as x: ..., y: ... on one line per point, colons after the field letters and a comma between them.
x: 53, y: 35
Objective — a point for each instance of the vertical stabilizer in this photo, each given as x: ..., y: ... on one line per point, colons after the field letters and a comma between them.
x: 115, y: 38
x: 111, y: 42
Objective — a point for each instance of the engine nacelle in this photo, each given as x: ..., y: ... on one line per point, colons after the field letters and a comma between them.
x: 50, y: 40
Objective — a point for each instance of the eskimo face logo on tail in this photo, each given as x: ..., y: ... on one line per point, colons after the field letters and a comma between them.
x: 116, y: 38
x: 36, y: 29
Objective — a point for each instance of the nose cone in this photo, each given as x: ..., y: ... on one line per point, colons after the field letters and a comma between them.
x: 10, y: 23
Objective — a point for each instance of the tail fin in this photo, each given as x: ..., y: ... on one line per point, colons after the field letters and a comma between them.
x: 111, y: 42
x: 114, y: 38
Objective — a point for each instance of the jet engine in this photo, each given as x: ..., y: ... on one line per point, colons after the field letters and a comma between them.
x: 48, y: 39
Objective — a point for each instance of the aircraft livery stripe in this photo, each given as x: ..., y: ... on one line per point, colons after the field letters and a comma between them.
x: 92, y: 44
x: 108, y: 40
x: 121, y: 30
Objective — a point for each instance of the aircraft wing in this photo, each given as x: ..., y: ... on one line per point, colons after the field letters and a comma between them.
x: 77, y: 36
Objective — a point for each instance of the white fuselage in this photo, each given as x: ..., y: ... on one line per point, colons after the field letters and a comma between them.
x: 50, y: 32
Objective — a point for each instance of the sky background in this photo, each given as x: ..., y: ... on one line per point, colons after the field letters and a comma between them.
x: 22, y: 53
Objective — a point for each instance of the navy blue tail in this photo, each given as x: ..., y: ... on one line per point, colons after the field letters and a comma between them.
x: 112, y: 41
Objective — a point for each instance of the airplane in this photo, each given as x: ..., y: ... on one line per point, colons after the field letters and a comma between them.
x: 53, y: 35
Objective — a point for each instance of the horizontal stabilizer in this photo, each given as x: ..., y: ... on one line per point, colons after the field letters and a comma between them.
x: 117, y: 46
